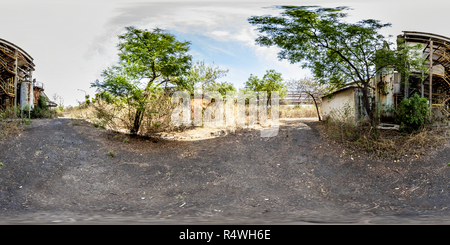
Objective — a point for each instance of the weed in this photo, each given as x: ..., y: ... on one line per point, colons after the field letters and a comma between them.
x: 1, y: 164
x: 75, y: 122
x: 125, y: 140
x: 10, y: 128
x: 111, y: 153
x: 26, y: 122
x: 359, y: 136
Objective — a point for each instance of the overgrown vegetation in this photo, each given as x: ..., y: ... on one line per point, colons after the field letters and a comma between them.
x: 148, y: 60
x: 41, y: 109
x: 110, y: 112
x: 298, y: 111
x: 412, y: 113
x: 10, y: 122
x: 336, y: 52
x: 361, y: 137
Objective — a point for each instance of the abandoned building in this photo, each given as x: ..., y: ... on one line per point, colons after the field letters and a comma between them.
x: 388, y: 89
x: 17, y: 86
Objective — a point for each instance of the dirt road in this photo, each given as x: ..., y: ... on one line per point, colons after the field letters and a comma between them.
x: 68, y: 171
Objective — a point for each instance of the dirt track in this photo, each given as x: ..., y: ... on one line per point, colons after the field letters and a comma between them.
x: 61, y: 171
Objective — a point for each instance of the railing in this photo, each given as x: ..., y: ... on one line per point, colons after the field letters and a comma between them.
x: 7, y: 51
x: 38, y: 85
x: 7, y: 86
x: 9, y: 68
x: 12, y: 55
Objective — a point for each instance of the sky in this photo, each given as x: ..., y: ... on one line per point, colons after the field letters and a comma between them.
x: 73, y: 41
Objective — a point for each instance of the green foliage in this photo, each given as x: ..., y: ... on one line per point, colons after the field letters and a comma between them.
x: 101, y: 124
x: 271, y: 81
x: 148, y: 59
x: 41, y: 110
x: 26, y: 122
x: 87, y: 101
x: 337, y: 52
x: 413, y: 112
x: 111, y: 153
x: 207, y: 76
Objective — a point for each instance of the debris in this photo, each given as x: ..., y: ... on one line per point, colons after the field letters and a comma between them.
x: 388, y: 126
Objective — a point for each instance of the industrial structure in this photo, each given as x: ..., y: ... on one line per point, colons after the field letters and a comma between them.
x: 436, y: 86
x: 387, y: 88
x: 17, y: 86
x: 295, y: 97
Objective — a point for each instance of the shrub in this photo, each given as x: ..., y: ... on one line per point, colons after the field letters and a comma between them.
x: 41, y: 110
x: 116, y: 113
x: 412, y: 112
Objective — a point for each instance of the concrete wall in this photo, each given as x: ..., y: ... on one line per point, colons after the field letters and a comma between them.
x: 338, y: 101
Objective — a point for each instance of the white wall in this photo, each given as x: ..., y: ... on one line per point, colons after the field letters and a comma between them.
x: 338, y: 101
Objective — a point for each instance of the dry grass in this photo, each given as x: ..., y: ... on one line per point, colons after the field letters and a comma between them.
x: 158, y: 115
x: 10, y: 127
x: 120, y: 117
x: 298, y: 112
x: 364, y: 139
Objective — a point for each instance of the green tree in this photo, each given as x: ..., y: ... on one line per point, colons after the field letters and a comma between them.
x: 271, y: 81
x: 336, y: 52
x: 147, y: 59
x: 207, y: 76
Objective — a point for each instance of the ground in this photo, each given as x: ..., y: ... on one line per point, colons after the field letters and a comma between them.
x: 65, y: 170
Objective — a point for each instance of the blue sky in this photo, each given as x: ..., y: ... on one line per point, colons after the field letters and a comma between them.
x: 72, y: 41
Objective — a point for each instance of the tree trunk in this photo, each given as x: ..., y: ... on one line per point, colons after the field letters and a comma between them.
x: 140, y: 110
x: 137, y: 121
x: 317, y: 108
x: 367, y: 104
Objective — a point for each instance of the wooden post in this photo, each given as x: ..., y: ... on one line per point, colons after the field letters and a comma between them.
x: 431, y: 77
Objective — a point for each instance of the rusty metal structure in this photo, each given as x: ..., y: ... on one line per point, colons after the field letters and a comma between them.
x: 17, y: 86
x: 389, y: 88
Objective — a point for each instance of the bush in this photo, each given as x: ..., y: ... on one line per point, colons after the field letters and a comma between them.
x: 361, y: 137
x: 41, y: 110
x: 107, y: 111
x: 412, y: 112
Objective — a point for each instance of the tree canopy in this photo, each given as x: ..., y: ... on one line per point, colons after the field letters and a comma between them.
x: 207, y: 76
x: 271, y: 81
x: 147, y: 59
x: 336, y: 52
